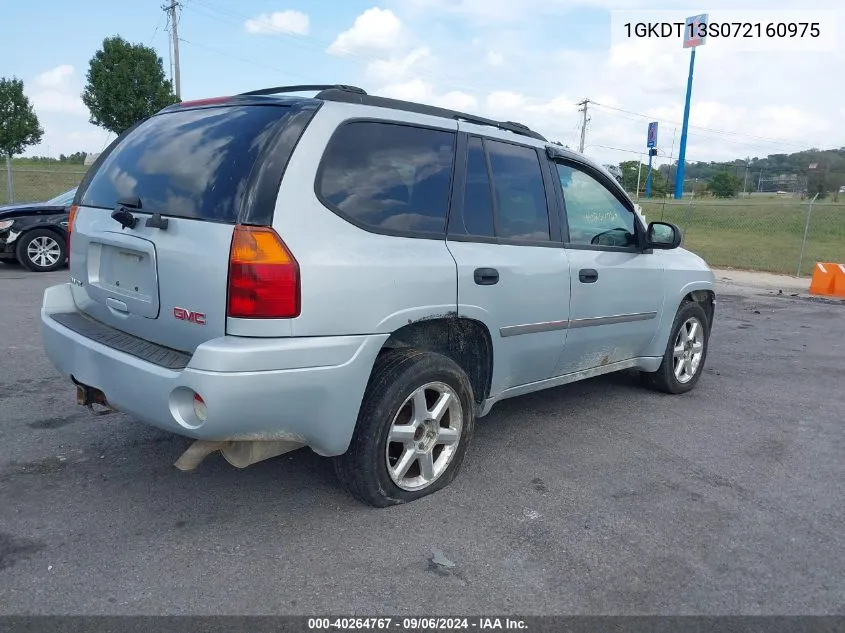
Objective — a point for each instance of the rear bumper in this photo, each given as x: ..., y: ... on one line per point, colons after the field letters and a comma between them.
x: 301, y: 389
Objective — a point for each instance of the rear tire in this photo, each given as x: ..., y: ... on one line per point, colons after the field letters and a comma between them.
x: 686, y: 352
x: 41, y: 250
x: 415, y: 424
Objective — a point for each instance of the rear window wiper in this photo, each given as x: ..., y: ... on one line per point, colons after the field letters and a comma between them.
x: 123, y: 215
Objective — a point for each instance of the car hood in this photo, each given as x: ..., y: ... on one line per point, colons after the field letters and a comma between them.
x: 32, y: 208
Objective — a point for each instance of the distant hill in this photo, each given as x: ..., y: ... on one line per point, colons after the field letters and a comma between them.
x: 813, y: 170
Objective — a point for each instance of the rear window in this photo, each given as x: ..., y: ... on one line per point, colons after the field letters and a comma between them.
x: 389, y: 177
x: 190, y: 164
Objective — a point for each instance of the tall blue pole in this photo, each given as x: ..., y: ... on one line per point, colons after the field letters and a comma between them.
x: 679, y: 174
x: 648, y: 178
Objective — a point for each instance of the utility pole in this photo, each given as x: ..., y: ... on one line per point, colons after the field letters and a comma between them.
x: 10, y: 181
x: 639, y: 171
x: 745, y: 183
x: 584, y: 120
x: 177, y: 84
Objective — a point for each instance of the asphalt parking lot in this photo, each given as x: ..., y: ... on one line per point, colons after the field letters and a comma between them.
x: 598, y: 497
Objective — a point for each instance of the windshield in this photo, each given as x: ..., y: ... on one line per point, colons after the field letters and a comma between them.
x: 63, y: 199
x: 190, y: 164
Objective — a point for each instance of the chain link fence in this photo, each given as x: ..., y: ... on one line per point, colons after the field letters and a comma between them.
x: 36, y: 184
x: 763, y: 232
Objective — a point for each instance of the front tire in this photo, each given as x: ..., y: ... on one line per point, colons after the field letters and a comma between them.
x: 41, y: 251
x: 415, y: 424
x: 686, y: 352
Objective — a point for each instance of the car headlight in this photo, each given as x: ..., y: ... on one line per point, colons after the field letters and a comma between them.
x: 5, y: 224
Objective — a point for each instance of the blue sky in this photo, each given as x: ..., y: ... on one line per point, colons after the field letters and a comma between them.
x: 528, y: 60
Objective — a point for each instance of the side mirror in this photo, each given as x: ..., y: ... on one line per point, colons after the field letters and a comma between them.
x: 663, y: 235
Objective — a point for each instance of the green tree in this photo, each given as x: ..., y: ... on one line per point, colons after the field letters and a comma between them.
x: 126, y: 84
x: 725, y: 185
x: 629, y: 170
x: 19, y: 127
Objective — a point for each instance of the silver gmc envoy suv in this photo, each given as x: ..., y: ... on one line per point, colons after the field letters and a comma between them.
x: 359, y: 275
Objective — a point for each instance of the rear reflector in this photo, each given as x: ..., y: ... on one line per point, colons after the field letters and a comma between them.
x: 70, y: 220
x: 263, y: 276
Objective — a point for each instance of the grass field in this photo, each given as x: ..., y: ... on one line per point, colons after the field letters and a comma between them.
x: 34, y: 180
x: 757, y: 233
x: 762, y: 233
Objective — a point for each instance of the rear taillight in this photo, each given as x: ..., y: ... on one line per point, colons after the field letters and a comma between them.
x: 70, y: 220
x: 263, y: 276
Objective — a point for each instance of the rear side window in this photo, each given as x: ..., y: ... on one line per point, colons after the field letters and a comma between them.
x: 190, y: 164
x: 476, y: 218
x: 389, y: 177
x: 522, y: 212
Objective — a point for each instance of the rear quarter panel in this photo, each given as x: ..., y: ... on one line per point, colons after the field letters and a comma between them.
x: 354, y: 281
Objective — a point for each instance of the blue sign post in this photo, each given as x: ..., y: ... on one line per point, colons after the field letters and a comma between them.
x: 651, y: 143
x: 695, y: 34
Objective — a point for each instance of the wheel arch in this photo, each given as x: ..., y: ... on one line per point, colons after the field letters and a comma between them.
x: 466, y: 341
x: 697, y: 292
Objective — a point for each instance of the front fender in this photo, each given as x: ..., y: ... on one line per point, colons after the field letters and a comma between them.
x: 679, y: 284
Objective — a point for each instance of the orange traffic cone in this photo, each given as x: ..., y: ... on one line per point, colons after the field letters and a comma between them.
x: 828, y: 280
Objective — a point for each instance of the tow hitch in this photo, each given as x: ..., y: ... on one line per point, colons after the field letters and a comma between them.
x: 89, y: 396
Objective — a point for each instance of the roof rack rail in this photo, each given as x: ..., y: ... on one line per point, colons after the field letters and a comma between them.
x: 304, y: 88
x: 348, y: 94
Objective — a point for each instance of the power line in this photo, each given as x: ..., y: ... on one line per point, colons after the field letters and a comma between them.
x: 696, y: 127
x: 155, y: 32
x: 242, y: 59
x: 312, y: 44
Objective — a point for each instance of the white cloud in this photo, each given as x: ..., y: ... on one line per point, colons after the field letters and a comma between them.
x: 495, y: 59
x: 375, y: 30
x: 396, y: 69
x: 55, y: 77
x: 503, y: 103
x: 457, y: 100
x: 424, y: 92
x: 58, y: 101
x: 413, y: 90
x: 57, y: 91
x: 59, y: 138
x: 294, y: 22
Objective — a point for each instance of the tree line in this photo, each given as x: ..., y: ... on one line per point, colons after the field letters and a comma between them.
x: 808, y: 172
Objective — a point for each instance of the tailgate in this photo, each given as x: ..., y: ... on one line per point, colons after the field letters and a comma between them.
x: 168, y: 287
x: 177, y: 185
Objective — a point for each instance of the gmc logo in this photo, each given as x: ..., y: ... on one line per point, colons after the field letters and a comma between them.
x: 188, y: 315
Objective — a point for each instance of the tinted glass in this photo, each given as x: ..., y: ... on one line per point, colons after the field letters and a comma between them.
x: 520, y: 193
x: 477, y: 216
x: 192, y: 164
x: 63, y: 198
x: 390, y: 176
x: 595, y: 216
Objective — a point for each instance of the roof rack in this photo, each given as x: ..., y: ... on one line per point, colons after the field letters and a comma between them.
x: 304, y: 88
x: 353, y: 94
x: 340, y: 93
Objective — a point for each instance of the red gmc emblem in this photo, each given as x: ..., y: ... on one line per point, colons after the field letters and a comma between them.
x: 188, y: 315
